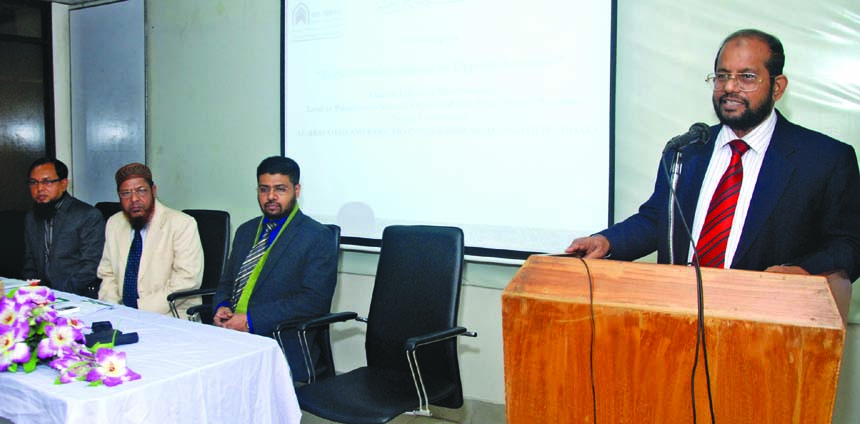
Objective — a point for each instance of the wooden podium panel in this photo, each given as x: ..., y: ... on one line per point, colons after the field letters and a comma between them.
x: 774, y: 343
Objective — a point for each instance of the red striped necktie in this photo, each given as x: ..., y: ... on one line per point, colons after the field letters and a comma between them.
x: 718, y: 222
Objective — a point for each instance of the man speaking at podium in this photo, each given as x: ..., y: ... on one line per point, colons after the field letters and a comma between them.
x: 763, y: 193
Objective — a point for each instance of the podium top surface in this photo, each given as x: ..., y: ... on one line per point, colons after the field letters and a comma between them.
x: 813, y: 301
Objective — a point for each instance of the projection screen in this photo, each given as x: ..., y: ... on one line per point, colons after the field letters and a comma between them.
x: 493, y: 116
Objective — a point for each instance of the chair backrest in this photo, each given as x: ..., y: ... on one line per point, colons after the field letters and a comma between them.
x: 214, y: 229
x: 108, y: 209
x: 12, y: 244
x: 417, y: 291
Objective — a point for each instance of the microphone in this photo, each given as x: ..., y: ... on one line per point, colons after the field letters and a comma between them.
x: 699, y: 133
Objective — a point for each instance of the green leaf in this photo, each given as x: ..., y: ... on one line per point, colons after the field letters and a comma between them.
x: 30, y: 365
x: 100, y: 345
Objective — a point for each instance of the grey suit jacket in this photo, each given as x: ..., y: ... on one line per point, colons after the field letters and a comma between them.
x: 77, y: 241
x: 297, y: 279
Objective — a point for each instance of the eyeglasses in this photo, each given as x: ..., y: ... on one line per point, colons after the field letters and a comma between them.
x: 140, y: 192
x: 280, y: 190
x: 745, y: 81
x: 46, y: 183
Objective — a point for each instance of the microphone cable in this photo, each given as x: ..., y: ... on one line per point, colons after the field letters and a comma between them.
x: 593, y: 330
x: 700, y: 307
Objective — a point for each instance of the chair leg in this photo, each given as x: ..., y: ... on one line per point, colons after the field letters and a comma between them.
x: 173, y: 310
x: 306, y: 354
x: 423, y: 400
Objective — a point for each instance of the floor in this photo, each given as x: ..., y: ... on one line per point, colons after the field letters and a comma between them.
x: 472, y: 412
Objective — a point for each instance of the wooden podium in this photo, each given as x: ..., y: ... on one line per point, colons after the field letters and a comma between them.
x: 774, y: 343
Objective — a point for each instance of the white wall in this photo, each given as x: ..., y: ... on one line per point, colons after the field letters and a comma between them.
x: 213, y: 114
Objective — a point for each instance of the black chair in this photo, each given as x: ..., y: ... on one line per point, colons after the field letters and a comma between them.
x: 411, y: 345
x: 108, y: 209
x: 214, y: 229
x: 12, y: 245
x: 316, y: 344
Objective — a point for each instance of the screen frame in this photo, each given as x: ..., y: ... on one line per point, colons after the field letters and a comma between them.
x: 482, y: 252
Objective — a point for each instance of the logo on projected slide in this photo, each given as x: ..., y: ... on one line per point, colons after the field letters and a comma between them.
x: 301, y: 15
x: 320, y: 21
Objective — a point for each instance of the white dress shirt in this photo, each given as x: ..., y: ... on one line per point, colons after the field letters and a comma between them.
x: 758, y: 139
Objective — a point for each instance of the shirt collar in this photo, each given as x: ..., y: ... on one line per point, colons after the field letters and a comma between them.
x: 280, y: 222
x: 758, y: 139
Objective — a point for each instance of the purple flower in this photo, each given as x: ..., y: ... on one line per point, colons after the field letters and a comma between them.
x: 12, y: 345
x: 31, y: 332
x: 71, y: 367
x: 110, y: 368
x: 58, y: 340
x: 35, y: 295
x: 12, y: 312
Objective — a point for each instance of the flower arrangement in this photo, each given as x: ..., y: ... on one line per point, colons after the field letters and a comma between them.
x: 31, y: 332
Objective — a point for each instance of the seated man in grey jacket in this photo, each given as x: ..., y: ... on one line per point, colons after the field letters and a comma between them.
x: 64, y: 236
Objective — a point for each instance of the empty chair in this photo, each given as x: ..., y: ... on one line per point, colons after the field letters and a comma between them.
x: 411, y: 346
x: 214, y: 229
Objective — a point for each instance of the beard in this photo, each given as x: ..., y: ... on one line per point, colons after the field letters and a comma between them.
x: 46, y: 211
x: 138, y: 222
x: 750, y: 118
x: 283, y: 213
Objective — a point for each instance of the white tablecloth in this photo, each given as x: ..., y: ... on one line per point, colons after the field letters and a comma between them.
x: 190, y: 373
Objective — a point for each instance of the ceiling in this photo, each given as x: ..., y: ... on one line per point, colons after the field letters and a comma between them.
x: 82, y: 2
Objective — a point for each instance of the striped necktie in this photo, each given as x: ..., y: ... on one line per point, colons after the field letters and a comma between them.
x: 250, y: 262
x: 718, y: 222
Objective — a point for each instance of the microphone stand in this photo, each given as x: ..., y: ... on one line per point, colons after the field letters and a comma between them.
x: 673, y: 184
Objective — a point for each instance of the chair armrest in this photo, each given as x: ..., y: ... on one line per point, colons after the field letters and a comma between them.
x: 196, y: 309
x: 189, y: 293
x: 413, y: 343
x: 306, y: 324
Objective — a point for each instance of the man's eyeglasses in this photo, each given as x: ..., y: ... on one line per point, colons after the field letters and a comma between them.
x: 140, y: 192
x: 745, y: 81
x: 280, y: 190
x: 46, y: 183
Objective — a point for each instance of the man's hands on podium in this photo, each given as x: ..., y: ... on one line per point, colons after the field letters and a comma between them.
x: 593, y: 247
x: 597, y: 246
x: 225, y: 318
x: 787, y: 269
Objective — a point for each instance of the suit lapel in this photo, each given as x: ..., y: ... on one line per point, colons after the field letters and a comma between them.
x: 776, y: 170
x: 152, y: 241
x: 59, y: 221
x: 696, y: 162
x: 277, y: 250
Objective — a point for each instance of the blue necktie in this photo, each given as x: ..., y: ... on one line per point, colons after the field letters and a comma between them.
x: 129, y: 288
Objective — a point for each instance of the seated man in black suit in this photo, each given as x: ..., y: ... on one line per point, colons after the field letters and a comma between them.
x: 64, y: 236
x: 283, y: 264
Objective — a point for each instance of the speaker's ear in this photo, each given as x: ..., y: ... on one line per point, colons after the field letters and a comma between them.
x: 779, y: 85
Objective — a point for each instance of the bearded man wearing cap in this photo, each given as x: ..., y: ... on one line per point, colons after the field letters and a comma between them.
x: 150, y: 250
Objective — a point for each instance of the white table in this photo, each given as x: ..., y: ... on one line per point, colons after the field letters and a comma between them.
x: 190, y: 373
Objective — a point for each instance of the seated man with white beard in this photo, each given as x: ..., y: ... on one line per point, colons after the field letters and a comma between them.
x: 150, y: 250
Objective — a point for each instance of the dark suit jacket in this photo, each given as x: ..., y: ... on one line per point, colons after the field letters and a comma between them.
x: 297, y: 280
x: 76, y: 248
x: 805, y: 209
